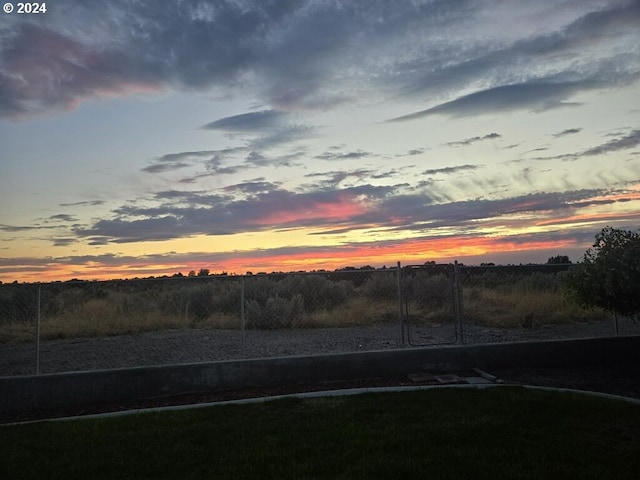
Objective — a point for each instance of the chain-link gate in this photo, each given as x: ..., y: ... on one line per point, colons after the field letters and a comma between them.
x: 432, y: 304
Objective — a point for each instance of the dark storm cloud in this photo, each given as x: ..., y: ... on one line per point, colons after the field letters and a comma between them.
x: 256, y: 159
x: 625, y: 142
x: 489, y: 60
x: 220, y: 171
x: 253, y: 187
x: 300, y: 55
x: 538, y: 149
x: 17, y: 228
x: 568, y: 131
x: 258, y: 205
x: 536, y: 93
x: 321, y: 59
x: 528, y: 96
x: 387, y: 174
x: 448, y: 170
x: 172, y: 161
x: 164, y: 167
x: 331, y: 180
x: 282, y: 135
x: 122, y: 46
x: 469, y: 141
x: 87, y: 203
x: 64, y: 242
x: 62, y: 217
x: 262, y: 130
x: 211, y: 160
x: 42, y: 69
x: 247, y: 122
x: 184, y: 156
x: 420, y: 213
x: 213, y: 163
x: 192, y: 198
x: 332, y: 155
x: 120, y: 230
x: 413, y: 152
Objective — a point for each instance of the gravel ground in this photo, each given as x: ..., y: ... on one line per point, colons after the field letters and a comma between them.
x: 186, y: 346
x: 190, y: 346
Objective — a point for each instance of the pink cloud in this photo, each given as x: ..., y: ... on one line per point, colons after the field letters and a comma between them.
x: 344, y: 208
x: 51, y: 70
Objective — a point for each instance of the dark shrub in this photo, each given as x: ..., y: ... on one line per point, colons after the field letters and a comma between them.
x: 276, y: 312
x: 18, y: 303
x: 381, y: 286
x: 318, y: 292
x: 432, y: 290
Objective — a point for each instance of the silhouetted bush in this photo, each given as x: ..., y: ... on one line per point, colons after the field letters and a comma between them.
x: 276, y: 312
x: 261, y: 288
x: 18, y: 303
x: 381, y: 286
x: 226, y: 297
x: 193, y: 301
x: 318, y: 292
x: 432, y: 290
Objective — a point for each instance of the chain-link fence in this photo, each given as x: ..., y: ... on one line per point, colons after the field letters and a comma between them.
x: 530, y: 302
x: 320, y: 312
x: 67, y: 326
x: 431, y: 300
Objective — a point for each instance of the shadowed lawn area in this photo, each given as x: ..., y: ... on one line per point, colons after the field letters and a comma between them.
x: 504, y: 432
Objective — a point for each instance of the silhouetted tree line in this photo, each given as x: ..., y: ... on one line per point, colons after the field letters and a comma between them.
x: 608, y: 277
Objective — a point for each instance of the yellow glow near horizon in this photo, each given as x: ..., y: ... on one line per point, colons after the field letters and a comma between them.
x: 312, y: 248
x: 408, y: 252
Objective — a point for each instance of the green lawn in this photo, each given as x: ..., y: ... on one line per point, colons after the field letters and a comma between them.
x: 493, y: 433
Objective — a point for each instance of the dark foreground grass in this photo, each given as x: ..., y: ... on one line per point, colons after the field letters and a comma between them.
x: 447, y: 433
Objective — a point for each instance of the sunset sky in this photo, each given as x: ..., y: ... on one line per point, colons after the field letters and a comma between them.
x: 143, y: 138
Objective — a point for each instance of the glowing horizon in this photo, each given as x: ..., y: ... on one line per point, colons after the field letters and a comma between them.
x: 408, y: 253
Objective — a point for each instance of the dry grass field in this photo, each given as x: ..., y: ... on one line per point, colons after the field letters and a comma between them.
x: 100, y: 309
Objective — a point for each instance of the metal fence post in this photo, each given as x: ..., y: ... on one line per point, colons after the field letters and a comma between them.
x: 242, y: 319
x: 400, y: 313
x: 457, y: 300
x: 38, y: 329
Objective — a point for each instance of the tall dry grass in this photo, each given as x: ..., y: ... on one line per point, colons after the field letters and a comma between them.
x: 356, y: 312
x: 104, y: 317
x: 113, y: 311
x: 522, y: 308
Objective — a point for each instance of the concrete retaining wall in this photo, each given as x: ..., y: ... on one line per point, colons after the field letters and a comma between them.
x: 76, y: 389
